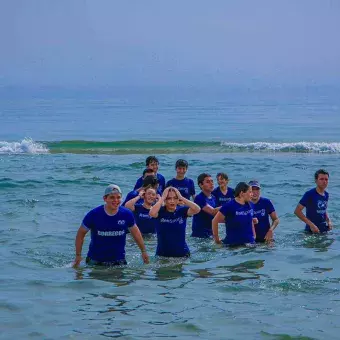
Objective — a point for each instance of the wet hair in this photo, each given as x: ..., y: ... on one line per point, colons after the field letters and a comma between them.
x: 151, y: 159
x: 202, y: 177
x: 171, y: 189
x: 150, y: 181
x: 147, y: 171
x: 223, y: 175
x: 241, y: 187
x: 181, y: 163
x: 320, y: 172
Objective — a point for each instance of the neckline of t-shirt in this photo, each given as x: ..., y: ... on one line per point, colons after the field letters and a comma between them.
x: 108, y: 213
x: 324, y: 195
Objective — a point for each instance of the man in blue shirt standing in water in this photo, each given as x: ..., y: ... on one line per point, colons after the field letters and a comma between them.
x: 263, y: 209
x: 315, y: 201
x: 109, y: 224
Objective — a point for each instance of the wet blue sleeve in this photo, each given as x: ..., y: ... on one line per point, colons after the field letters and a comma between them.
x: 304, y: 200
x: 200, y: 201
x: 184, y: 211
x: 130, y: 219
x: 192, y: 188
x: 87, y: 222
x: 225, y: 209
x: 270, y: 207
x: 139, y: 183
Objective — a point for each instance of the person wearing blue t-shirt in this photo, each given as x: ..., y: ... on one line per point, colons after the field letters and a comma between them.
x: 201, y: 223
x: 108, y: 224
x: 148, y: 181
x: 172, y: 222
x: 263, y: 209
x: 153, y: 164
x: 315, y: 201
x: 238, y: 217
x: 184, y: 185
x: 145, y: 223
x: 223, y: 193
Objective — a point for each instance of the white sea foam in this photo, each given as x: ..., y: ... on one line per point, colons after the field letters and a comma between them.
x: 314, y: 147
x: 27, y: 145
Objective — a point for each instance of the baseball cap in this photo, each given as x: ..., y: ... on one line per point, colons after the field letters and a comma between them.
x: 112, y: 189
x: 254, y: 184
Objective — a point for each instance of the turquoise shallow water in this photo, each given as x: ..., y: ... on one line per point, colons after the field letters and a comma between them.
x: 288, y: 291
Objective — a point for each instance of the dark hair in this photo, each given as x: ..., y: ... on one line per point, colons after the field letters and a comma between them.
x: 151, y: 159
x: 223, y: 175
x: 147, y: 171
x: 181, y: 163
x: 202, y: 177
x: 320, y: 172
x: 241, y: 187
x: 150, y: 181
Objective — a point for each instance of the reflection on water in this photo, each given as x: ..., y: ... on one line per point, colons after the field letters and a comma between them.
x: 320, y: 243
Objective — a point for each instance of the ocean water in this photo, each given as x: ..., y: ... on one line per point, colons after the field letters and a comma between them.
x: 60, y: 148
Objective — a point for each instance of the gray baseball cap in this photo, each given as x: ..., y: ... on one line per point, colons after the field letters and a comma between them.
x: 112, y: 189
x: 254, y: 184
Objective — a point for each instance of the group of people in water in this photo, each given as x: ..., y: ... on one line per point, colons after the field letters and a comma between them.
x: 162, y: 208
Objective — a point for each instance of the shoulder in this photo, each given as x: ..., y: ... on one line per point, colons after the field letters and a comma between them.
x: 124, y: 211
x: 170, y: 182
x: 96, y: 211
x: 160, y: 176
x: 215, y: 191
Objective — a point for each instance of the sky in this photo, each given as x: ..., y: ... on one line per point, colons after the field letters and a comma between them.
x: 169, y: 43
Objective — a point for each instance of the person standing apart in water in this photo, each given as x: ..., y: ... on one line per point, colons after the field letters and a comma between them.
x: 238, y: 217
x: 108, y: 224
x: 201, y: 223
x: 315, y: 201
x: 263, y: 209
x: 152, y: 163
x: 145, y: 223
x: 184, y: 185
x: 223, y: 193
x: 171, y: 223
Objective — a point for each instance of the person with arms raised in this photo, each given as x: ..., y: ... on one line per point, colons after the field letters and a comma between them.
x: 171, y: 223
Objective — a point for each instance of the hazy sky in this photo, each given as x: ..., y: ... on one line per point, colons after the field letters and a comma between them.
x: 107, y: 42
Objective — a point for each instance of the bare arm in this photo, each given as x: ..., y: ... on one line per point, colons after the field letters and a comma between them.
x: 79, y: 244
x: 135, y: 233
x: 155, y: 208
x: 210, y: 210
x: 298, y: 212
x: 275, y: 220
x: 131, y: 203
x: 193, y: 207
x: 219, y: 218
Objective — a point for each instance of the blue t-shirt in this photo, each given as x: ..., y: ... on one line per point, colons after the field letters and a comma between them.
x: 221, y: 198
x: 262, y: 209
x: 161, y: 181
x: 316, y: 208
x: 108, y: 233
x: 238, y: 222
x: 185, y: 186
x: 145, y: 223
x: 170, y: 230
x: 201, y: 222
x: 132, y: 194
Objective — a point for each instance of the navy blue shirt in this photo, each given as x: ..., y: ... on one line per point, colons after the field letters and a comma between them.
x: 170, y: 230
x: 262, y: 209
x: 221, y: 198
x: 316, y: 208
x: 145, y: 223
x: 108, y: 233
x: 239, y: 223
x: 185, y: 186
x: 161, y: 181
x: 201, y: 222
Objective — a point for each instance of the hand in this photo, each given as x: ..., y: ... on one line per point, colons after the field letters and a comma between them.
x: 314, y: 229
x: 77, y: 261
x: 158, y: 197
x: 217, y: 240
x: 165, y: 193
x: 141, y: 193
x: 180, y: 197
x: 330, y: 225
x: 269, y: 236
x: 255, y: 220
x: 145, y: 257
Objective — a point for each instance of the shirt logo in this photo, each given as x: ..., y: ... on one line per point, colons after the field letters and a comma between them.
x: 322, y: 204
x: 261, y: 212
x: 111, y: 233
x: 121, y: 222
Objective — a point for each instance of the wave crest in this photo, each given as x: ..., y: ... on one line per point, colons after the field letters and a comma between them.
x: 27, y: 145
